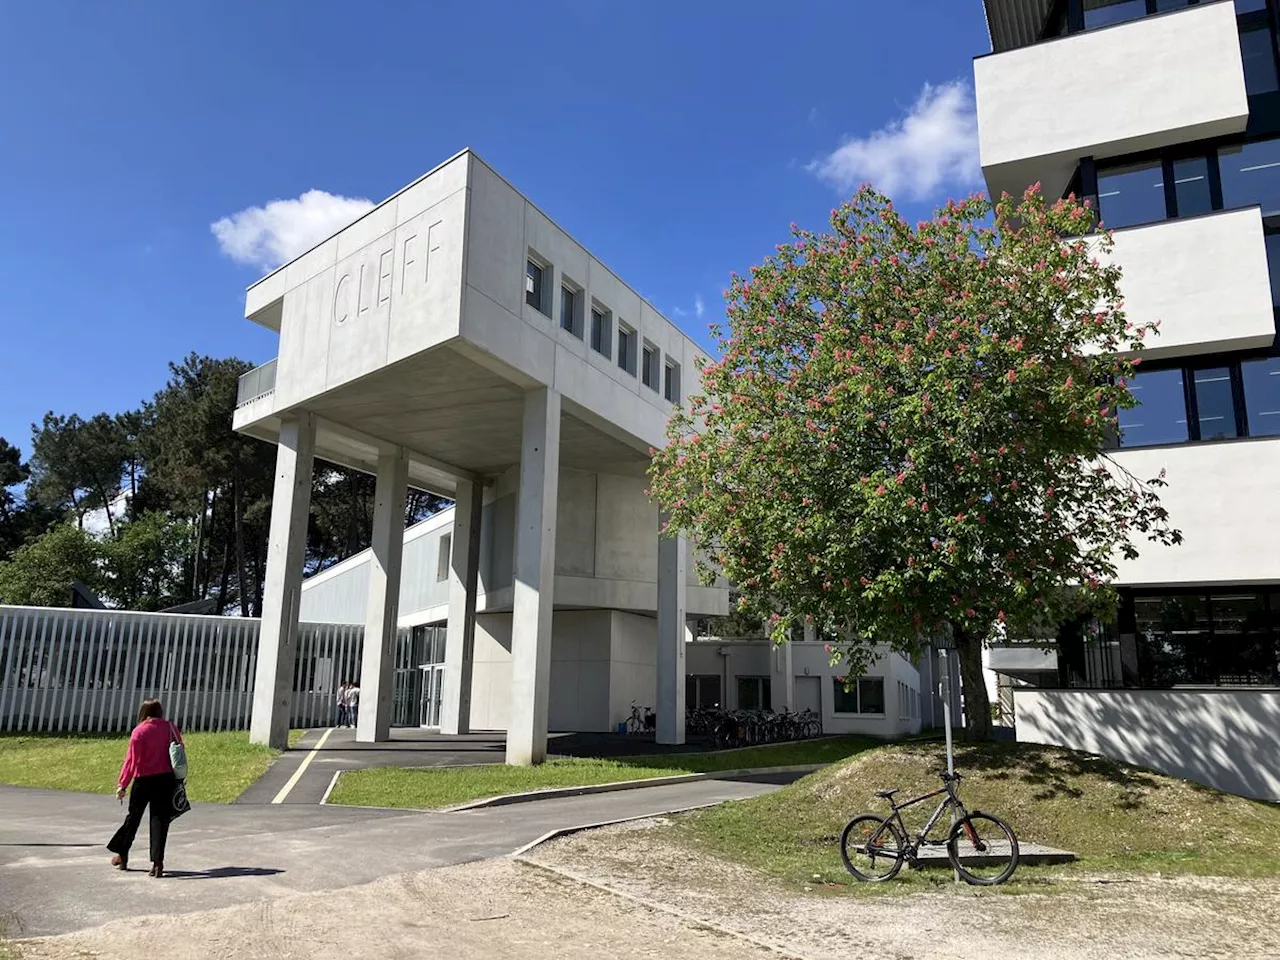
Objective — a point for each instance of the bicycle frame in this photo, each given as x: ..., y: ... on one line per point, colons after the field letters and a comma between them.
x: 950, y: 801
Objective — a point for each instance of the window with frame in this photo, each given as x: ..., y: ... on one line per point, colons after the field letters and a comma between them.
x: 601, y: 330
x: 1161, y: 414
x: 1260, y: 380
x: 1250, y: 173
x: 626, y: 348
x: 1132, y: 194
x: 865, y: 695
x: 649, y: 367
x: 1228, y: 637
x: 671, y: 381
x: 443, y: 558
x: 754, y: 693
x: 702, y: 692
x: 1258, y: 53
x: 535, y: 287
x: 571, y: 310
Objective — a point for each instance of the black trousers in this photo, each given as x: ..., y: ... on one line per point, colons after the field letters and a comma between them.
x: 155, y: 792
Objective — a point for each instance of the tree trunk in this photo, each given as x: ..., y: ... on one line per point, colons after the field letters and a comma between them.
x: 226, y: 577
x: 196, y: 565
x: 209, y: 541
x: 977, y: 707
x: 242, y: 569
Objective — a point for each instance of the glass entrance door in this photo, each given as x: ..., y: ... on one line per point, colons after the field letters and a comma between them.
x: 432, y: 692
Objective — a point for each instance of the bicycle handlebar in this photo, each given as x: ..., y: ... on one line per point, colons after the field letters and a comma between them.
x: 949, y: 777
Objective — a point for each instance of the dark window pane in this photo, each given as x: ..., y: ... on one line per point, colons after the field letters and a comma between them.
x: 1161, y: 414
x: 1191, y: 186
x: 749, y: 693
x: 1163, y: 5
x: 1273, y: 265
x: 1215, y: 406
x: 569, y: 311
x: 871, y: 695
x: 1099, y: 13
x: 846, y: 701
x: 1244, y: 650
x: 1258, y: 51
x: 1251, y: 174
x: 1262, y: 396
x: 533, y: 285
x: 1173, y: 640
x: 1131, y: 194
x: 1250, y: 6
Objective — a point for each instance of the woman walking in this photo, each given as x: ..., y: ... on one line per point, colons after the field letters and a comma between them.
x: 148, y: 767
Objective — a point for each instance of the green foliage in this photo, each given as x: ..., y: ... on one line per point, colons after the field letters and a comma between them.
x: 41, y: 573
x: 76, y: 464
x: 902, y: 436
x: 142, y: 564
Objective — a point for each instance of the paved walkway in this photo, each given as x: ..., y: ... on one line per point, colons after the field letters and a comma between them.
x: 54, y: 876
x: 410, y: 747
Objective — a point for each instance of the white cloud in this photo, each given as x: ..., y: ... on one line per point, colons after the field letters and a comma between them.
x: 273, y: 234
x: 934, y: 145
x: 699, y: 308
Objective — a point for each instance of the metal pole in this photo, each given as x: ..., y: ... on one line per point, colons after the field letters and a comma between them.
x: 945, y: 673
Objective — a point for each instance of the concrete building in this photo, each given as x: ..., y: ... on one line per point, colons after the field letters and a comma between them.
x: 1166, y: 115
x: 455, y: 339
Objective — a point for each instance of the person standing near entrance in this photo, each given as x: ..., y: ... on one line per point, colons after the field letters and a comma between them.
x: 148, y: 768
x: 353, y: 702
x: 342, y: 703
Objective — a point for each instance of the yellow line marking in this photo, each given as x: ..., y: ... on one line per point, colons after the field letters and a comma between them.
x: 302, y: 768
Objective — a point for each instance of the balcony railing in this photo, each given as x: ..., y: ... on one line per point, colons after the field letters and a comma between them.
x: 258, y: 382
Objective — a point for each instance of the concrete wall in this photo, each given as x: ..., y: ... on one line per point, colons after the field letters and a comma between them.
x: 1204, y: 278
x: 633, y: 676
x: 1222, y: 737
x: 503, y: 230
x: 383, y: 289
x: 1222, y: 497
x: 1149, y: 83
x: 809, y: 660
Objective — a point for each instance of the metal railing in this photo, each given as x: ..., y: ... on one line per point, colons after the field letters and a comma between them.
x: 258, y: 382
x: 80, y: 671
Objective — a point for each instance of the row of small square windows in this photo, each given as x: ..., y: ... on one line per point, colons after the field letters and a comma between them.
x: 572, y: 302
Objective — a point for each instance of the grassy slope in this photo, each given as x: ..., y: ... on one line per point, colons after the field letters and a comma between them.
x: 1113, y: 815
x: 222, y: 765
x: 444, y: 786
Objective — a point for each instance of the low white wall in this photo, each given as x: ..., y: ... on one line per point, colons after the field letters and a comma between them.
x: 1224, y: 738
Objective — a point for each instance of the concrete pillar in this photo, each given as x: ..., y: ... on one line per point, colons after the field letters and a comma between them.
x: 282, y: 592
x: 673, y: 588
x: 783, y: 689
x: 464, y: 576
x: 382, y: 612
x: 535, y: 565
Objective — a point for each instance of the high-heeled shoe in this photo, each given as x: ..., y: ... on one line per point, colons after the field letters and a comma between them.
x: 157, y: 870
x: 119, y: 862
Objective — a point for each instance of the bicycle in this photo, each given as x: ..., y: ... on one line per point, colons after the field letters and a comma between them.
x: 873, y: 848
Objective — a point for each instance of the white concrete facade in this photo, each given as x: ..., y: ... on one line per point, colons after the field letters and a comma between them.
x: 457, y: 327
x: 801, y: 678
x: 1168, y: 100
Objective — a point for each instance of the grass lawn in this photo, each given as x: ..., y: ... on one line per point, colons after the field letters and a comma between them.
x: 222, y: 765
x: 1115, y: 816
x: 428, y: 787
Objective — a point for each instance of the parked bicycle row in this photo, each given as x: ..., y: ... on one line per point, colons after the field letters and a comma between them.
x: 741, y: 728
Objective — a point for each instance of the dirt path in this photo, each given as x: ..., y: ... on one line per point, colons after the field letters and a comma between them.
x: 498, y: 909
x: 1141, y: 918
x: 505, y: 910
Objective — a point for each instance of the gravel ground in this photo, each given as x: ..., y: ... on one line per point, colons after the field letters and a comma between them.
x: 497, y: 910
x: 673, y: 906
x: 1142, y: 917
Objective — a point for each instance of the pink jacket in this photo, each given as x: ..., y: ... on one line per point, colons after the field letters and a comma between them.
x: 149, y: 750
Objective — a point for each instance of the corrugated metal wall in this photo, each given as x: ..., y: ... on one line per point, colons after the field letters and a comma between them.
x: 87, y: 670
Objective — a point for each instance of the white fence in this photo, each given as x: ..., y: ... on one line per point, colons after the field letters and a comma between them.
x: 87, y: 670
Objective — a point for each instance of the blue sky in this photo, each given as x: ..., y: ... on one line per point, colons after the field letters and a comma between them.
x: 677, y: 141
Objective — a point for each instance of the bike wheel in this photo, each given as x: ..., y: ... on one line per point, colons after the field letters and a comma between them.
x: 983, y: 849
x: 871, y: 848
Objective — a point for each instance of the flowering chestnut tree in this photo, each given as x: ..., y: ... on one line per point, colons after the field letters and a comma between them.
x: 905, y: 436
